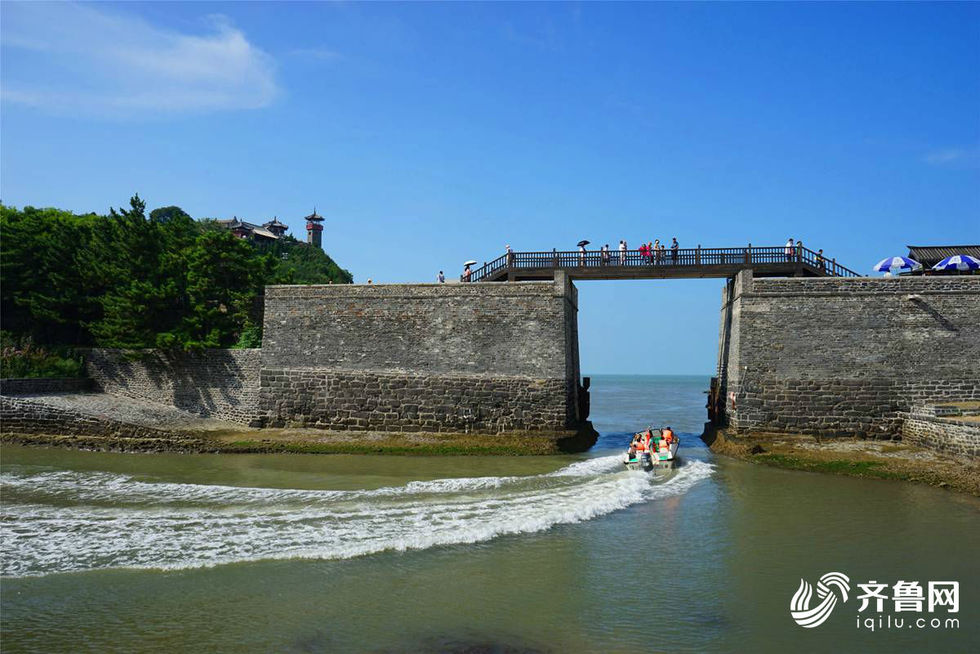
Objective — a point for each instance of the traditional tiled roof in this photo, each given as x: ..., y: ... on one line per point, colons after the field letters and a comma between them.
x: 255, y: 230
x: 930, y: 255
x: 314, y: 216
x: 261, y: 231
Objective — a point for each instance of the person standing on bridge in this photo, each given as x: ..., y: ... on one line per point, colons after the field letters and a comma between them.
x: 821, y: 262
x: 799, y: 250
x: 441, y: 278
x: 674, y: 246
x: 510, y: 256
x: 604, y: 254
x: 581, y: 255
x: 466, y: 273
x: 789, y: 250
x: 658, y: 250
x: 622, y: 252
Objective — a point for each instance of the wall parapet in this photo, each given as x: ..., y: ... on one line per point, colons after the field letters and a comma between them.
x: 860, y: 286
x: 41, y: 385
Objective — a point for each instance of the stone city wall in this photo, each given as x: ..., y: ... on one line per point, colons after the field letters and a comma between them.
x: 422, y: 357
x: 222, y: 384
x: 844, y: 356
x: 399, y: 357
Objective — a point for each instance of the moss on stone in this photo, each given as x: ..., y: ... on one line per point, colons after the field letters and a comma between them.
x: 314, y: 441
x: 853, y: 457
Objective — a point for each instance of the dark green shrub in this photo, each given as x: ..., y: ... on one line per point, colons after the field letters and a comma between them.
x: 21, y: 358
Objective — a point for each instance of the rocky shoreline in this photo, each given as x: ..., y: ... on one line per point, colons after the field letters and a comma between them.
x: 103, y: 422
x: 853, y: 457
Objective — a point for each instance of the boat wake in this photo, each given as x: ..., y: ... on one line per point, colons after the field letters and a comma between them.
x: 71, y: 521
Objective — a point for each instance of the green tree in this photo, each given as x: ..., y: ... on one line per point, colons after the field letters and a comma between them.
x: 165, y: 215
x: 126, y: 260
x: 224, y: 276
x: 43, y: 293
x: 299, y: 263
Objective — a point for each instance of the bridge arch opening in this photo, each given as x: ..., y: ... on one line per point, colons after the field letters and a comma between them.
x: 650, y: 349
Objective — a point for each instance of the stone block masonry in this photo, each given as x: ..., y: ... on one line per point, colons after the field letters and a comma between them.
x: 222, y: 384
x: 411, y: 402
x: 422, y: 357
x: 845, y: 356
x: 955, y: 436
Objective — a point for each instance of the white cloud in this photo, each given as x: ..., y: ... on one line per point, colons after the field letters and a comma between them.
x: 952, y: 156
x: 71, y: 58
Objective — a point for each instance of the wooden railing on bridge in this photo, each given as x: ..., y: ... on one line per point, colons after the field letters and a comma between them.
x: 708, y: 260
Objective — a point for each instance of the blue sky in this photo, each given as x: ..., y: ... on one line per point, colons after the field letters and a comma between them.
x: 428, y: 134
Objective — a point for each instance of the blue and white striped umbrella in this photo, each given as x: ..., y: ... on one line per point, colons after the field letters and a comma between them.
x: 958, y: 262
x: 892, y: 264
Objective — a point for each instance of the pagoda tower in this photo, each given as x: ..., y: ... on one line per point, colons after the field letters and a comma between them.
x: 314, y: 229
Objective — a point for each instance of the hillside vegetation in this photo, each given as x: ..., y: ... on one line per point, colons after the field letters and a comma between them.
x: 128, y: 280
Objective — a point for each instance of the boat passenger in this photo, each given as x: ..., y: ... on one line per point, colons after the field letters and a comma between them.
x: 668, y: 434
x: 632, y: 449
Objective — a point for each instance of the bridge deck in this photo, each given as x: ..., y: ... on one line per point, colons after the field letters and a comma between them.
x: 668, y: 264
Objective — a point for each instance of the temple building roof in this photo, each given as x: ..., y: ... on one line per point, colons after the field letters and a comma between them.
x: 930, y: 255
x: 266, y: 231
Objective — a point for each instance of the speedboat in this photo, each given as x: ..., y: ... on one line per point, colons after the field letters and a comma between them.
x: 661, y: 454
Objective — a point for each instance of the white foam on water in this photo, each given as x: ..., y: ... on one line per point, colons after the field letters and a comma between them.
x: 73, y: 521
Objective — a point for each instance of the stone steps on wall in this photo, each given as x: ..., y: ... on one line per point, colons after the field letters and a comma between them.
x: 70, y: 410
x: 952, y: 427
x: 949, y: 409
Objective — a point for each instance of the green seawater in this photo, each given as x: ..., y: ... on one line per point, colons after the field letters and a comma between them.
x: 302, y: 553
